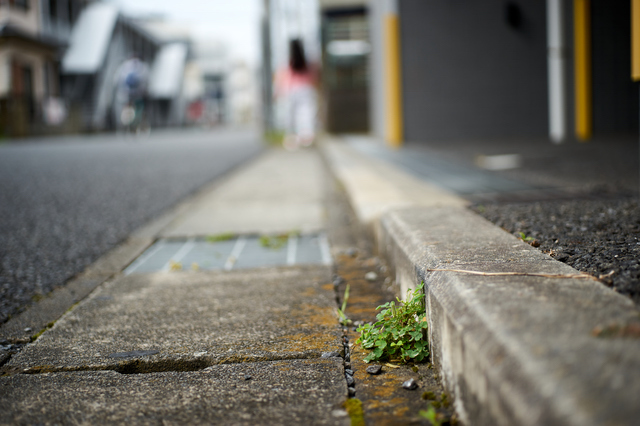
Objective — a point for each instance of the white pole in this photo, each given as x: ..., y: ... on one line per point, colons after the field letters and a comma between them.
x: 556, y: 68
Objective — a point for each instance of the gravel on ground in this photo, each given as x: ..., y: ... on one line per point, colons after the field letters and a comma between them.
x: 596, y: 236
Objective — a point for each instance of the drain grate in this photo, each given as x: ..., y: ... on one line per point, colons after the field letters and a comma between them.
x: 238, y: 253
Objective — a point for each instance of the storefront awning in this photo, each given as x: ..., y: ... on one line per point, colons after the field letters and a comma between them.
x: 90, y: 39
x: 167, y: 72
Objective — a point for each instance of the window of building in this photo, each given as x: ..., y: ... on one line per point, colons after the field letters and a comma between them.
x: 20, y: 4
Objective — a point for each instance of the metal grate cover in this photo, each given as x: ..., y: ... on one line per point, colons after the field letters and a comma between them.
x: 240, y: 252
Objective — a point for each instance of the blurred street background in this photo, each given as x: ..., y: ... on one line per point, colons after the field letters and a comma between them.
x: 403, y: 71
x: 112, y: 111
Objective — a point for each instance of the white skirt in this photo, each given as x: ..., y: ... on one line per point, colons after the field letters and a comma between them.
x: 301, y: 112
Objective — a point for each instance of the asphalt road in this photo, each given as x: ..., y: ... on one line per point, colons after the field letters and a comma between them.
x: 66, y: 201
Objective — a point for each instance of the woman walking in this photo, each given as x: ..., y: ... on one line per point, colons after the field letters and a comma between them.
x: 296, y: 86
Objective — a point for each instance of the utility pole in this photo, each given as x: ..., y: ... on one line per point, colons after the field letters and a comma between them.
x: 635, y: 42
x: 267, y: 77
x: 556, y: 69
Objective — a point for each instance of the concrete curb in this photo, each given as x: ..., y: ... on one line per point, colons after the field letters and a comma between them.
x: 511, y: 349
x: 375, y: 187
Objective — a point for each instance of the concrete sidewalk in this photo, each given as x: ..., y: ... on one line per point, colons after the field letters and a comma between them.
x: 260, y: 345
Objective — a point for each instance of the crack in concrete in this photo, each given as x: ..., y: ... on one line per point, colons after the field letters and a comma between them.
x: 145, y: 366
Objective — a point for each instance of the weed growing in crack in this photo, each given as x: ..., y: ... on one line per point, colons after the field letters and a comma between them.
x: 273, y: 242
x: 400, y: 332
x: 38, y: 334
x: 431, y: 415
x: 274, y: 137
x: 225, y: 236
x: 175, y: 266
x: 529, y: 240
x: 353, y: 406
x: 343, y: 317
x: 437, y: 410
x: 276, y: 242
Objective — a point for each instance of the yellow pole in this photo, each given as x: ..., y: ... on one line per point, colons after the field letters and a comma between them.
x: 394, y: 131
x: 582, y: 60
x: 635, y: 40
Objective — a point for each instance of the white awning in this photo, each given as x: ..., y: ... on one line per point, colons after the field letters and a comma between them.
x: 167, y: 71
x: 90, y: 39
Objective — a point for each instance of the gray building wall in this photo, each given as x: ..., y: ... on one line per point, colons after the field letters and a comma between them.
x: 615, y: 96
x: 467, y: 73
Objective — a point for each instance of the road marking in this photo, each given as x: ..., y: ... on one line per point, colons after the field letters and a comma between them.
x: 324, y: 249
x: 235, y: 253
x: 142, y: 259
x: 181, y: 253
x: 292, y: 248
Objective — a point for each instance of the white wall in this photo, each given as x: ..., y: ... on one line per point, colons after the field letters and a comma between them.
x: 5, y: 70
x: 28, y: 20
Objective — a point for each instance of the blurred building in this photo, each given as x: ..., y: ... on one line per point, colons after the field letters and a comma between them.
x: 33, y: 35
x: 345, y: 60
x: 212, y: 60
x: 59, y: 16
x: 243, y: 95
x: 174, y: 81
x: 59, y: 59
x: 101, y: 40
x: 446, y: 70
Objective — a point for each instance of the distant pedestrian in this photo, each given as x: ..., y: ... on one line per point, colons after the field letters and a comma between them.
x: 295, y: 85
x: 130, y: 82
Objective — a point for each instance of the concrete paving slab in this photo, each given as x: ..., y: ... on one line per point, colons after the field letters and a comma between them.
x: 281, y: 192
x: 271, y: 393
x: 189, y: 320
x: 516, y: 349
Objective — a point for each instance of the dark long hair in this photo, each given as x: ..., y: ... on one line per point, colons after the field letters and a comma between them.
x: 297, y: 60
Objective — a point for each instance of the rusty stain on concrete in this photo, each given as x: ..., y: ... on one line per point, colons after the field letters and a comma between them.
x: 384, y: 400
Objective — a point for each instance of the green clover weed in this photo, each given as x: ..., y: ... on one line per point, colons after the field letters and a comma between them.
x: 400, y: 332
